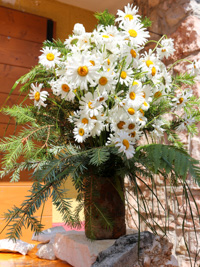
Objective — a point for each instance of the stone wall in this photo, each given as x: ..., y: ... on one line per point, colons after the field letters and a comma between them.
x: 180, y: 20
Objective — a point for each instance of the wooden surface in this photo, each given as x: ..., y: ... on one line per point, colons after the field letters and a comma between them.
x: 21, y: 38
x: 18, y: 260
x: 18, y: 52
x: 22, y: 25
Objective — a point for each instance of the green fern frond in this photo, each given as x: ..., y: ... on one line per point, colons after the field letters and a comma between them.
x: 184, y: 78
x: 171, y: 159
x: 21, y: 114
x: 99, y: 156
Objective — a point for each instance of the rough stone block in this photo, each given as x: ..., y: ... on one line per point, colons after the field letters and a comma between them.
x: 18, y: 246
x: 77, y: 250
x: 46, y: 251
x: 124, y: 251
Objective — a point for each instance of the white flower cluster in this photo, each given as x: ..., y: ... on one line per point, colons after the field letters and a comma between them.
x: 112, y: 80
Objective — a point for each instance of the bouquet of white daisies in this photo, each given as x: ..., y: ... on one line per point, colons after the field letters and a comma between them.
x: 115, y: 84
x: 97, y: 97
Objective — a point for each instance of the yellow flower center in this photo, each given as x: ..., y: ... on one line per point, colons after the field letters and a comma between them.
x: 131, y: 126
x: 131, y: 111
x: 145, y: 104
x: 120, y: 125
x: 125, y: 142
x: 132, y: 95
x: 153, y: 71
x: 105, y: 36
x: 65, y: 88
x: 90, y: 105
x: 132, y: 33
x: 83, y: 70
x: 135, y: 83
x: 141, y: 111
x: 94, y: 118
x: 133, y: 134
x: 158, y: 94
x: 148, y: 63
x: 84, y: 121
x: 133, y: 53
x: 123, y: 75
x: 128, y: 16
x: 144, y: 95
x: 81, y: 131
x: 103, y: 80
x: 37, y: 96
x: 163, y: 50
x: 92, y: 62
x: 108, y: 61
x: 180, y: 100
x: 50, y: 56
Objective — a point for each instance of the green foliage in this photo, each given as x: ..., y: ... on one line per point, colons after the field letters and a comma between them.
x: 46, y: 146
x: 105, y: 18
x: 184, y: 78
x: 146, y: 22
x: 165, y: 158
x: 58, y: 44
x: 99, y: 156
x: 22, y: 114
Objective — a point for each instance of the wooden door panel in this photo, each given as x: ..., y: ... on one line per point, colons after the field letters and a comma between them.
x: 8, y: 75
x: 21, y: 38
x: 19, y: 52
x: 22, y: 25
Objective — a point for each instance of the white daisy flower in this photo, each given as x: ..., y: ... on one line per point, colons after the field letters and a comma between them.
x: 129, y: 14
x: 182, y: 97
x: 38, y: 96
x: 167, y: 48
x: 137, y: 33
x: 158, y: 131
x: 135, y: 95
x: 63, y: 88
x: 124, y: 144
x: 99, y: 124
x: 187, y: 121
x: 107, y: 81
x: 81, y: 72
x: 126, y: 76
x: 79, y: 29
x: 147, y: 92
x: 50, y: 57
x: 118, y: 122
x: 85, y: 119
x: 80, y: 133
x: 148, y: 60
x: 166, y: 79
x: 89, y: 105
x: 132, y: 55
x: 194, y: 68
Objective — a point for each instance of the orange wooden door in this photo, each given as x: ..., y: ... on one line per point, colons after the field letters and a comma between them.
x: 21, y: 37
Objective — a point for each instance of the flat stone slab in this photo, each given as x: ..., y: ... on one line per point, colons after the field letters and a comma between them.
x: 18, y: 246
x: 46, y: 248
x: 77, y: 250
x: 46, y: 235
